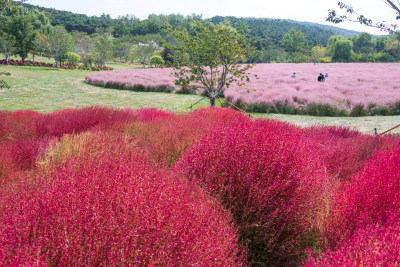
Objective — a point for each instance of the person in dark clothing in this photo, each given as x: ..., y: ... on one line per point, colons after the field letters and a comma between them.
x: 321, y: 78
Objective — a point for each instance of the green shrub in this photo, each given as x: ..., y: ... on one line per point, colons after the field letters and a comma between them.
x: 157, y: 61
x: 73, y: 58
x: 325, y: 60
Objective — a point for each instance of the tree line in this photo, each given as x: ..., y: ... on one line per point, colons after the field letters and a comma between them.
x: 74, y: 38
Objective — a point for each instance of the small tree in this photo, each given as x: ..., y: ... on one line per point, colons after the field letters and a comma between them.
x: 144, y: 51
x: 121, y: 49
x: 317, y: 52
x: 212, y: 57
x: 7, y: 45
x: 58, y: 42
x: 102, y: 50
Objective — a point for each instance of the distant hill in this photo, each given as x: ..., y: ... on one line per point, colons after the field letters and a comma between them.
x: 337, y: 30
x: 264, y: 29
x: 272, y: 30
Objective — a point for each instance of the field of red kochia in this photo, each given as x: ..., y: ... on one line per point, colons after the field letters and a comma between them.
x: 102, y: 186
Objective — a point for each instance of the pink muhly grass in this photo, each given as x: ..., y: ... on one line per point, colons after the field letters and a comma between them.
x: 371, y: 197
x: 269, y: 180
x: 144, y: 77
x: 109, y: 207
x: 348, y: 85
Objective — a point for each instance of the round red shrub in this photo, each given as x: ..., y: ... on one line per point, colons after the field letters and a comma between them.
x: 374, y: 245
x: 270, y: 181
x: 372, y: 196
x: 107, y: 206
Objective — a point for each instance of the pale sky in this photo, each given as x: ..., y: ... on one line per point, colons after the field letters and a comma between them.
x: 300, y: 10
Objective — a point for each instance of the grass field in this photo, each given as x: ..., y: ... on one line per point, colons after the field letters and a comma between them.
x: 45, y: 90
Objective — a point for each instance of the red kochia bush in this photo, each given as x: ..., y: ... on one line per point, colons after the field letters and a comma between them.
x: 267, y: 177
x: 108, y: 207
x: 24, y: 134
x: 371, y: 197
x: 373, y: 245
x: 26, y: 124
x: 69, y: 121
x: 165, y: 139
x: 344, y: 151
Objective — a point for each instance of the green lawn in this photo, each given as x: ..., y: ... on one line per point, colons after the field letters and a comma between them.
x: 44, y: 90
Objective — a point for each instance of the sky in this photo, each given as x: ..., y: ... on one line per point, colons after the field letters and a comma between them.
x: 300, y: 10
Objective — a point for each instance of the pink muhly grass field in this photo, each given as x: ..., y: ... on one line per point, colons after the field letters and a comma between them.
x: 156, y: 77
x: 349, y: 84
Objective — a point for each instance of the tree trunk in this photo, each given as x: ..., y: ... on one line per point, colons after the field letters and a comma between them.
x: 57, y: 64
x: 212, y: 102
x: 7, y: 60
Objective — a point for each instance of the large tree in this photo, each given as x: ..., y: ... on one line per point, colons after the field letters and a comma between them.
x: 294, y: 41
x: 353, y: 16
x: 363, y: 43
x: 212, y: 57
x: 23, y: 23
x: 57, y: 43
x: 342, y: 50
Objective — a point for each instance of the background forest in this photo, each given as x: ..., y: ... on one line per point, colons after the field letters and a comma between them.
x: 78, y: 38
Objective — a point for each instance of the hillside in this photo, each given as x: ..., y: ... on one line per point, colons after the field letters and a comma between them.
x: 264, y: 30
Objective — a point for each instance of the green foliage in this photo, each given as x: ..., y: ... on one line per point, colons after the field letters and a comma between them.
x: 353, y: 16
x: 144, y: 51
x: 342, y: 51
x: 331, y: 43
x: 294, y: 41
x: 381, y: 57
x: 4, y: 84
x: 73, y: 58
x: 88, y: 60
x: 157, y: 61
x: 121, y: 48
x: 103, y: 47
x: 120, y: 29
x: 212, y: 57
x: 362, y: 43
x: 7, y: 45
x: 317, y: 52
x: 23, y: 23
x: 57, y: 43
x: 380, y: 43
x: 392, y: 46
x: 325, y: 60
